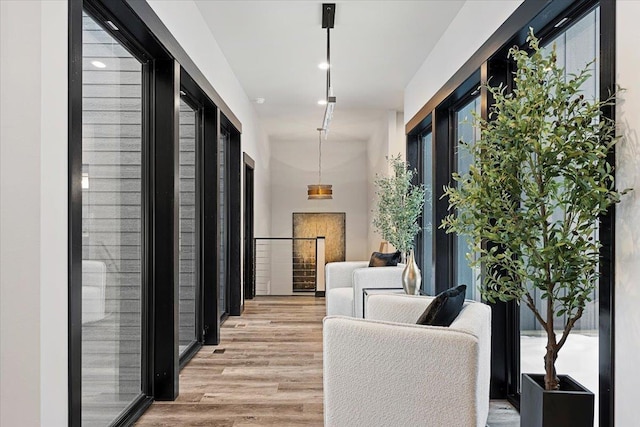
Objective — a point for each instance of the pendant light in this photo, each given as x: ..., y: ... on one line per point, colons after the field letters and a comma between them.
x: 319, y: 191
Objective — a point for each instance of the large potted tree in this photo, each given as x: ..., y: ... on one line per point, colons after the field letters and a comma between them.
x: 530, y: 206
x: 399, y: 206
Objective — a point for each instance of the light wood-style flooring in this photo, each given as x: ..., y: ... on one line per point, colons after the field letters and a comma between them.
x: 267, y: 371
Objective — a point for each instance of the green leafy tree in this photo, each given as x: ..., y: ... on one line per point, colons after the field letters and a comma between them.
x: 530, y: 203
x: 399, y: 206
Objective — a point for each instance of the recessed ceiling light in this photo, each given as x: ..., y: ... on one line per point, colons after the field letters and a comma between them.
x: 323, y: 65
x: 98, y: 64
x: 259, y: 100
x: 322, y: 102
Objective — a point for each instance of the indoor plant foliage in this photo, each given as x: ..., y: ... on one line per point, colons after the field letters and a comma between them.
x: 531, y: 201
x: 399, y: 206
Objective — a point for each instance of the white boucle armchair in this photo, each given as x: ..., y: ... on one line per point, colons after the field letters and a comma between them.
x: 344, y: 283
x: 387, y: 371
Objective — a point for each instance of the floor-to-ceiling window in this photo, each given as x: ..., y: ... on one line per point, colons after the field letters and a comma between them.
x: 583, y: 32
x: 112, y: 162
x: 576, y: 47
x: 467, y: 133
x: 223, y: 222
x: 188, y: 227
x: 143, y: 264
x: 428, y: 223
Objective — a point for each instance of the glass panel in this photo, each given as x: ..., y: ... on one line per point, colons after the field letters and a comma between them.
x: 576, y: 47
x: 428, y: 285
x: 187, y: 242
x: 466, y: 132
x: 111, y: 226
x: 222, y: 191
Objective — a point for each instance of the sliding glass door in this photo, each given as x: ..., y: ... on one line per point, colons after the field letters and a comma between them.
x: 112, y: 170
x: 466, y: 132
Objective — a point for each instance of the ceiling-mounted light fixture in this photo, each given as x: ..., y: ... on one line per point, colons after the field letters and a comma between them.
x: 328, y: 19
x: 319, y: 191
x: 328, y: 114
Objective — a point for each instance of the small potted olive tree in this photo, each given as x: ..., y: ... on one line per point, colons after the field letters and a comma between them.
x: 400, y: 204
x: 530, y: 207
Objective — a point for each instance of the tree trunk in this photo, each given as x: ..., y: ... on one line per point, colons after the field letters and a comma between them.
x: 551, y: 381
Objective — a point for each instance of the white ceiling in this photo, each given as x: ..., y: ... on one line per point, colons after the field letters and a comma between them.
x: 274, y: 48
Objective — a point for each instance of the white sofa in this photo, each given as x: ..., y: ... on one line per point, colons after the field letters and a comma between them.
x: 344, y: 282
x: 387, y: 371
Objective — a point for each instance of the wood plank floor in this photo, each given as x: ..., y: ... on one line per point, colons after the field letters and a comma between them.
x: 267, y: 371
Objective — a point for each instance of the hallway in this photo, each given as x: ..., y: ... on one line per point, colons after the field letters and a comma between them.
x: 267, y: 371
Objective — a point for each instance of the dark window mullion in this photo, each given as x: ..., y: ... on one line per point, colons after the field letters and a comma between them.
x: 147, y: 238
x: 210, y: 227
x: 165, y: 266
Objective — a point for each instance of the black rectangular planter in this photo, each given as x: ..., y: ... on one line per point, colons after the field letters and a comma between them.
x: 571, y: 406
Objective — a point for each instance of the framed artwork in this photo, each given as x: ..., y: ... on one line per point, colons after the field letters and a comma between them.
x: 331, y: 225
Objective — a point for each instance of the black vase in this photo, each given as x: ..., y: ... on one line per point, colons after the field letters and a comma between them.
x: 571, y: 406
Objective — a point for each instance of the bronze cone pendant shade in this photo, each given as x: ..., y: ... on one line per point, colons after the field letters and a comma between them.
x: 319, y: 191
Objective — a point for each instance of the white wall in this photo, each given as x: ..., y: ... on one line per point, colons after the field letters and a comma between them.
x: 472, y: 26
x: 377, y: 152
x: 33, y: 213
x: 388, y: 140
x: 397, y: 137
x: 20, y: 210
x: 54, y: 214
x: 294, y: 165
x: 627, y: 287
x: 184, y: 21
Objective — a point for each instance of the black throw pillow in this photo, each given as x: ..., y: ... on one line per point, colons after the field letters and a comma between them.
x: 378, y: 259
x: 445, y: 307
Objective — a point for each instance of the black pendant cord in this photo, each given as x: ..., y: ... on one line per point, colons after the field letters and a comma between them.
x: 328, y: 62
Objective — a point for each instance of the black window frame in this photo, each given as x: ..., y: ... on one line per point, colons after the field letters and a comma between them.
x: 457, y: 103
x: 248, y: 273
x: 199, y: 111
x: 573, y: 14
x: 167, y: 71
x: 150, y: 69
x: 233, y: 201
x: 489, y: 62
x: 208, y: 198
x: 415, y: 159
